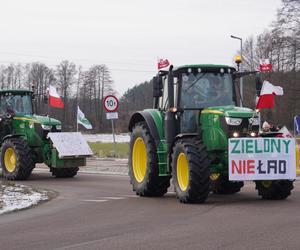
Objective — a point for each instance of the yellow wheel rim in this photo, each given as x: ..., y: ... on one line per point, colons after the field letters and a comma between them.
x: 139, y: 159
x: 266, y: 184
x: 182, y: 171
x: 10, y: 160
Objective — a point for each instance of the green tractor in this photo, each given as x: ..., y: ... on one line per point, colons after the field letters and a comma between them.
x: 185, y: 136
x: 27, y: 139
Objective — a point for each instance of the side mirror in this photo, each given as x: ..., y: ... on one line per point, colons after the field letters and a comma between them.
x: 157, y: 86
x: 258, y: 85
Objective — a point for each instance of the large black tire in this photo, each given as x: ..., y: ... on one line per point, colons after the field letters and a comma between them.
x: 143, y: 164
x: 274, y: 190
x: 16, y: 159
x: 64, y: 172
x: 222, y: 185
x: 190, y: 171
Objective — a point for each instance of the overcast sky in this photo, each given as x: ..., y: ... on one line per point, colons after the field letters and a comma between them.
x: 129, y: 35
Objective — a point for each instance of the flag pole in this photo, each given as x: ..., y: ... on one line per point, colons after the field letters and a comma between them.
x: 77, y: 119
x: 49, y: 104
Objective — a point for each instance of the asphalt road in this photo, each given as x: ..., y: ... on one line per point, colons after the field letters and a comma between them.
x: 95, y: 211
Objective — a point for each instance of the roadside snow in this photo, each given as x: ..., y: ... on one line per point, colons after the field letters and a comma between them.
x: 106, y: 137
x: 15, y: 197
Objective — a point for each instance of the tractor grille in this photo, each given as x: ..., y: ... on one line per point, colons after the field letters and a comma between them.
x: 243, y: 129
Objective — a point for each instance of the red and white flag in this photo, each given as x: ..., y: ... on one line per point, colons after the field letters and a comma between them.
x: 267, y: 93
x: 54, y: 98
x: 265, y: 65
x: 162, y: 63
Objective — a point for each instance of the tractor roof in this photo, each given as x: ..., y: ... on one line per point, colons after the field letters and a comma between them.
x: 204, y: 66
x: 15, y: 91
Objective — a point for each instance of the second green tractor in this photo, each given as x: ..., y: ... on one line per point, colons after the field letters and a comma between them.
x: 185, y: 136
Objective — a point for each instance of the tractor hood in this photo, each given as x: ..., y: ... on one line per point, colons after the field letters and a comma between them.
x: 230, y: 111
x: 39, y: 119
x: 46, y: 120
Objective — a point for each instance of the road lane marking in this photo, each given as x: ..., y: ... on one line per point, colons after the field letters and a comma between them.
x: 94, y: 200
x: 111, y: 198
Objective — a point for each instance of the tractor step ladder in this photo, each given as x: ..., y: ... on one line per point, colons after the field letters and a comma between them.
x: 162, y: 158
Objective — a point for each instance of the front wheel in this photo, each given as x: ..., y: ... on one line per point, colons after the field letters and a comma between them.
x: 274, y: 190
x: 190, y: 170
x: 143, y: 164
x: 16, y: 159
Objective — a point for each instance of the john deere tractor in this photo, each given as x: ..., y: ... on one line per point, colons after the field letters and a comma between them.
x: 185, y: 135
x: 27, y: 139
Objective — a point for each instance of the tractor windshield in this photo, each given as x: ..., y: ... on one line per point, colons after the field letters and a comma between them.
x: 15, y: 105
x: 204, y: 90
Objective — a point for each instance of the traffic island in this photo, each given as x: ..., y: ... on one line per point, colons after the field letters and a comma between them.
x: 14, y: 197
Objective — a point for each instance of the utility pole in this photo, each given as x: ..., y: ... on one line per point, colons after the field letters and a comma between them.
x: 241, y: 67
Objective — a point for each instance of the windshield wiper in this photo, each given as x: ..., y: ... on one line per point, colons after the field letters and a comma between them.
x: 196, y: 80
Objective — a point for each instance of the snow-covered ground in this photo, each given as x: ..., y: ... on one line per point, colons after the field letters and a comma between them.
x: 15, y: 197
x: 106, y: 137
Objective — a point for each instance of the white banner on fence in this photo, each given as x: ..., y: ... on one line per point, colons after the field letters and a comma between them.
x: 261, y: 158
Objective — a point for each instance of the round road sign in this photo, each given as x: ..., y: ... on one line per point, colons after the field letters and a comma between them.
x: 111, y: 103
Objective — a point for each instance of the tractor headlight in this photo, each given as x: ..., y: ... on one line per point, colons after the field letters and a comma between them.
x: 235, y: 134
x: 58, y: 127
x: 254, y: 121
x: 233, y: 121
x: 46, y: 127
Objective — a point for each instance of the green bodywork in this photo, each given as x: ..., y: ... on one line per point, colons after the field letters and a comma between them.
x: 34, y: 129
x: 210, y: 120
x: 214, y: 138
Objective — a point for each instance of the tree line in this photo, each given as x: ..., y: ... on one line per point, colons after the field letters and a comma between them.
x: 85, y: 88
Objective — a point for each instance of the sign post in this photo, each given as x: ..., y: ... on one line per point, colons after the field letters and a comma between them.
x: 111, y: 104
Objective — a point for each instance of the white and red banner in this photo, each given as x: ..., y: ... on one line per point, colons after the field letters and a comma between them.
x: 54, y: 98
x: 162, y: 63
x: 265, y: 65
x: 267, y: 93
x: 261, y: 159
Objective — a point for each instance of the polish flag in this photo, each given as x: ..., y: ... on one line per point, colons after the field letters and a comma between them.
x: 162, y: 63
x: 265, y: 65
x: 267, y: 93
x: 54, y: 98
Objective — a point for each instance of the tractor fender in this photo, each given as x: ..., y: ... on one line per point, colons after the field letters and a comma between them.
x: 11, y: 136
x: 147, y: 117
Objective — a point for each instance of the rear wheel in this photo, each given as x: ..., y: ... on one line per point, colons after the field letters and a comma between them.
x: 274, y: 190
x: 143, y: 164
x: 220, y: 184
x: 64, y: 172
x: 190, y: 170
x: 16, y: 159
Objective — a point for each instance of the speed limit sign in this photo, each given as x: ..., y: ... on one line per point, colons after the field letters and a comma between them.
x: 111, y: 103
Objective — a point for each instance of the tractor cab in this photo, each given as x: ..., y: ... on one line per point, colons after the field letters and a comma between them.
x: 202, y: 92
x: 15, y: 102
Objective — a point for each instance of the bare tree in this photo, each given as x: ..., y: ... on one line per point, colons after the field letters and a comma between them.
x: 65, y: 73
